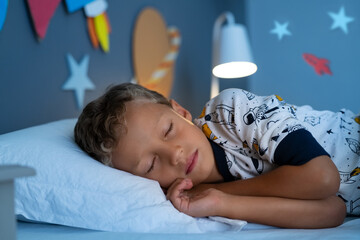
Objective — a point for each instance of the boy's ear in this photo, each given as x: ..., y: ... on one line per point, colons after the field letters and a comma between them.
x: 180, y: 110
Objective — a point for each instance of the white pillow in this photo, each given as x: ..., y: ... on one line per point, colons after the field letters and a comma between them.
x: 70, y: 188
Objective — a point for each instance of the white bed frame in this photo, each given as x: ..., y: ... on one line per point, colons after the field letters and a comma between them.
x: 350, y: 230
x: 8, y: 173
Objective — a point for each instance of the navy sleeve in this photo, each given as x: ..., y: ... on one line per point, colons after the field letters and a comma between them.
x: 298, y: 148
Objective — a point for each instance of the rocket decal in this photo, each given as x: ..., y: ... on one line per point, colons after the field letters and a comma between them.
x: 320, y: 65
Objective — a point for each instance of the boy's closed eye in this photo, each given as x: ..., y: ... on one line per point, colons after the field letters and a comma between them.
x: 152, y: 165
x: 169, y: 129
x: 167, y: 133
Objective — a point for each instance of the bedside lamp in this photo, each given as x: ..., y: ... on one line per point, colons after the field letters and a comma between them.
x: 231, y: 51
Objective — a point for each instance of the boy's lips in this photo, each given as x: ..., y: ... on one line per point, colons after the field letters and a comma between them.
x: 191, y: 162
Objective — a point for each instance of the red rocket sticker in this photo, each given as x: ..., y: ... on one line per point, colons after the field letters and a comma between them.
x: 320, y: 65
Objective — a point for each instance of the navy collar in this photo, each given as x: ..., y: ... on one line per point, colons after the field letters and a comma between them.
x: 221, y: 162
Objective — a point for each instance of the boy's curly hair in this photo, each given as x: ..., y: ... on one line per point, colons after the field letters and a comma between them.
x: 102, y: 121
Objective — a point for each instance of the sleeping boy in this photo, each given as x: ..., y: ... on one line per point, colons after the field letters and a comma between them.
x: 245, y: 157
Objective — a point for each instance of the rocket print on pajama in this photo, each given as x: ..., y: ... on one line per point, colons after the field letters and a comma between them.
x: 250, y: 129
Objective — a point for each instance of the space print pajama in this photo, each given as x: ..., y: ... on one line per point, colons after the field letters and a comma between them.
x: 260, y: 133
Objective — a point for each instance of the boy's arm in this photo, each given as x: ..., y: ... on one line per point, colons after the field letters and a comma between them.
x: 275, y: 211
x: 316, y: 179
x: 285, y: 212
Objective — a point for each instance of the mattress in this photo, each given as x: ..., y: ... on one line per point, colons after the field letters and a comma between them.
x: 349, y: 230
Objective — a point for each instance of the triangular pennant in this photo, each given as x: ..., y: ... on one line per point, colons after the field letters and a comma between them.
x: 41, y: 13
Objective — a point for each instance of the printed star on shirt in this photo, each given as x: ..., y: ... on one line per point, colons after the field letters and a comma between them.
x: 281, y: 30
x: 78, y: 81
x: 340, y: 20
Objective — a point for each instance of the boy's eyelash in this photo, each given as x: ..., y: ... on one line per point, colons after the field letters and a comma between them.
x: 170, y: 129
x: 153, y: 160
x: 152, y: 166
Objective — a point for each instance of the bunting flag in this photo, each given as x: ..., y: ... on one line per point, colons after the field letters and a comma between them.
x: 41, y: 12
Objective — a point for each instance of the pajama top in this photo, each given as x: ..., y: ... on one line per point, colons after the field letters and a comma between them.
x: 251, y: 135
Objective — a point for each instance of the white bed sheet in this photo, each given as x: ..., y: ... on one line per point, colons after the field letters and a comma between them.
x: 350, y: 230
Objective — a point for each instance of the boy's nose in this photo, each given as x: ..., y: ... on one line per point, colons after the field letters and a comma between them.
x: 176, y: 155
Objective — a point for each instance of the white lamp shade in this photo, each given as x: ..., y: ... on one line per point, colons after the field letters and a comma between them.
x: 234, y: 58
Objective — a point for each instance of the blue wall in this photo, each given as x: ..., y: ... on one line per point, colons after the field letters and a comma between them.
x: 32, y: 72
x: 282, y: 69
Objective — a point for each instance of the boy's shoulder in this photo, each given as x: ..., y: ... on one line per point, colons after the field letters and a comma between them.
x: 232, y: 94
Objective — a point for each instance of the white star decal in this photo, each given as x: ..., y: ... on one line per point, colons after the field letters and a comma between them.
x: 281, y: 30
x: 78, y: 81
x: 340, y: 20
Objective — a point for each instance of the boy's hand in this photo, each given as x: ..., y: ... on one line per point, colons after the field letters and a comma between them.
x: 275, y: 211
x: 200, y: 204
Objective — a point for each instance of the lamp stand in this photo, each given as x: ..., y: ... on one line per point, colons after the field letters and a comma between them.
x: 229, y: 17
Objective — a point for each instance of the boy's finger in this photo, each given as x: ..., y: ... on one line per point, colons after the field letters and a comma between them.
x: 178, y: 187
x: 174, y: 187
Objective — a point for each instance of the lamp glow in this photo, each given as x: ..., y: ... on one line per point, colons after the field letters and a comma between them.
x: 231, y: 51
x: 234, y: 69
